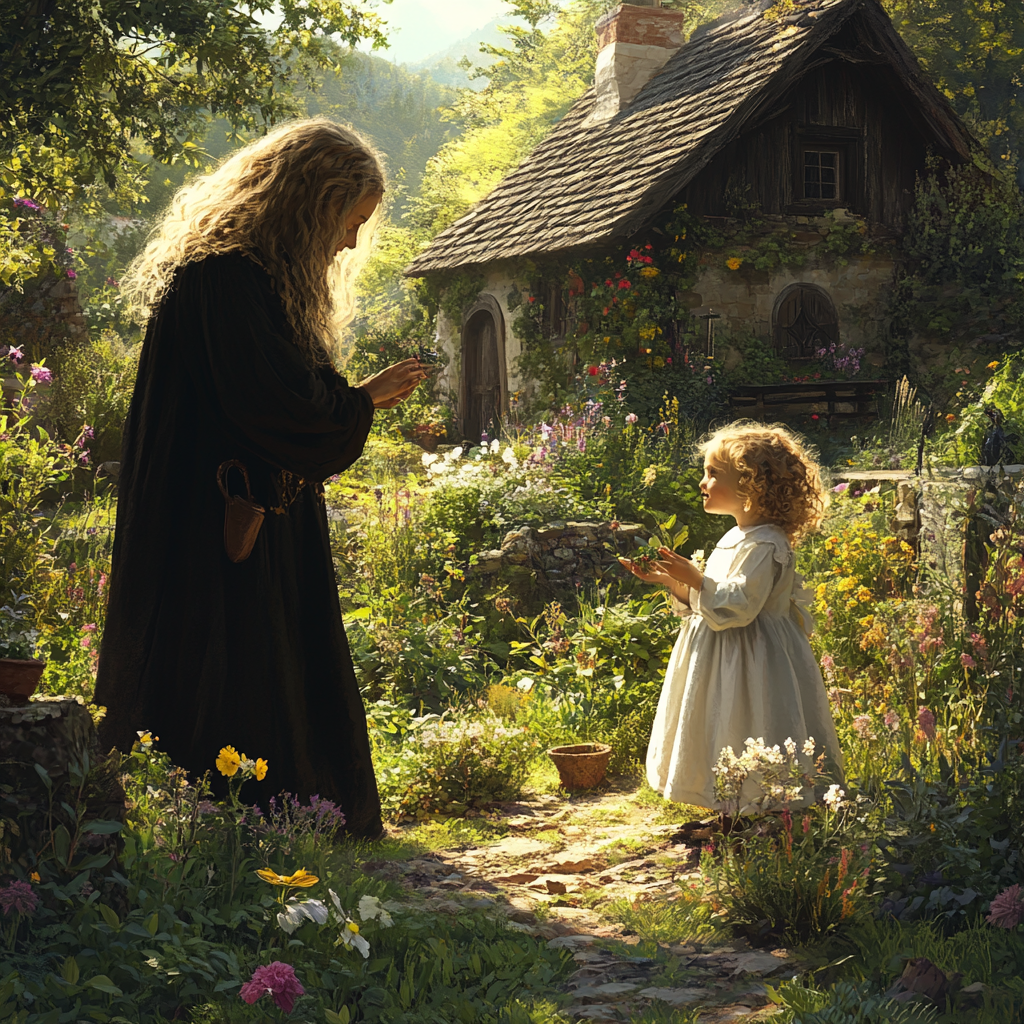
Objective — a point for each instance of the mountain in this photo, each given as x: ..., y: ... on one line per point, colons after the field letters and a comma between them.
x: 443, y: 66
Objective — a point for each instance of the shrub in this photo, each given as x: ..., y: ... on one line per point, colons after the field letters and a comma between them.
x: 450, y: 766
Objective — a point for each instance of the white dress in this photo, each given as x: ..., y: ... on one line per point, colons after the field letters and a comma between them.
x: 742, y: 667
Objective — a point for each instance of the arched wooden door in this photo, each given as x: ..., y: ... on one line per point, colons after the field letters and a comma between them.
x: 804, y: 321
x: 483, y: 385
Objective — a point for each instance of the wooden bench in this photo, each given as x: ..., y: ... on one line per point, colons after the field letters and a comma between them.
x: 834, y: 399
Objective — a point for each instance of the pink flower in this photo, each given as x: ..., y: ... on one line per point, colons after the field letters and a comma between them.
x: 277, y: 980
x: 668, y: 360
x: 1007, y: 909
x: 967, y: 661
x: 631, y: 417
x: 926, y: 722
x: 15, y: 353
x: 89, y: 627
x: 19, y: 897
x: 86, y: 642
x: 71, y: 274
x: 892, y: 720
x: 806, y: 823
x: 41, y: 374
x: 862, y: 726
x: 710, y: 381
x: 839, y: 488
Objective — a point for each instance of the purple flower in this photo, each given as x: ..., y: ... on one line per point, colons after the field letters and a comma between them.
x: 41, y: 374
x: 839, y: 488
x: 709, y: 380
x: 967, y: 661
x: 1007, y: 909
x: 276, y: 980
x: 19, y: 897
x: 83, y: 457
x: 15, y: 354
x: 71, y: 274
x: 926, y: 722
x: 28, y: 204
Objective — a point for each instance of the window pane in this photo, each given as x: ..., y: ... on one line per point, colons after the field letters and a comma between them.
x: 821, y: 174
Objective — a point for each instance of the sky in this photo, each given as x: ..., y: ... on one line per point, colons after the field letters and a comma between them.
x: 419, y: 28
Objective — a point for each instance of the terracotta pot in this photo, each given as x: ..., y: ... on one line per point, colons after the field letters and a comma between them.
x: 19, y: 677
x: 581, y: 766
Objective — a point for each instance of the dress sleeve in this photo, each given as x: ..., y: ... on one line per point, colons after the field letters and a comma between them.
x: 737, y: 599
x: 273, y: 400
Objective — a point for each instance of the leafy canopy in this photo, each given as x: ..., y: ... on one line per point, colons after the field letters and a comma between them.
x: 86, y: 85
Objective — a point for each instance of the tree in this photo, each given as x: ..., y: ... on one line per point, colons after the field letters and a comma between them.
x: 86, y: 85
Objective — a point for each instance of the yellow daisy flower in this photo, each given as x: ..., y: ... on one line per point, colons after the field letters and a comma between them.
x: 733, y: 263
x: 260, y: 771
x: 228, y: 761
x: 302, y: 879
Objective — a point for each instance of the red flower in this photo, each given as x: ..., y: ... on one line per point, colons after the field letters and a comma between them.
x: 594, y: 370
x: 531, y: 299
x: 609, y: 282
x: 648, y: 259
x: 815, y: 416
x: 624, y: 284
x: 648, y: 246
x: 668, y: 360
x: 605, y: 310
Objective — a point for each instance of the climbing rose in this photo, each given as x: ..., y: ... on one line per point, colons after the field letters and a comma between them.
x: 19, y: 897
x: 277, y: 980
x: 1007, y: 909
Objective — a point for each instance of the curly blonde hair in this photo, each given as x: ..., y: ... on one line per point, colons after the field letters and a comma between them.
x: 779, y: 474
x: 283, y: 201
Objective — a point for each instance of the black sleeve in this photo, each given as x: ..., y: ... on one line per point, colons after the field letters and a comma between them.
x: 241, y: 359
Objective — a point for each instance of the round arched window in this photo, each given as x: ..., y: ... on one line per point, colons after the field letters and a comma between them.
x: 804, y: 322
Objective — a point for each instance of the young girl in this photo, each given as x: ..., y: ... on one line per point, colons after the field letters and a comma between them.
x: 742, y: 666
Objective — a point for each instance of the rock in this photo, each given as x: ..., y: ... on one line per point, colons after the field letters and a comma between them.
x: 570, y: 866
x: 572, y: 942
x: 519, y: 878
x: 518, y: 846
x: 675, y: 996
x: 597, y: 992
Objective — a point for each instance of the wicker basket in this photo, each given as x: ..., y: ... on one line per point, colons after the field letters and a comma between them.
x: 581, y: 766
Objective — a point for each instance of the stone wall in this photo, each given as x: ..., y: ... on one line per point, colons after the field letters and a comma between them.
x: 561, y: 554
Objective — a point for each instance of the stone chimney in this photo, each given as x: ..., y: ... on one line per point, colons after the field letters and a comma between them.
x: 634, y: 41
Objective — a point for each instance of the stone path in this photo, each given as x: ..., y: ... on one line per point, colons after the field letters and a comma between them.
x: 560, y: 871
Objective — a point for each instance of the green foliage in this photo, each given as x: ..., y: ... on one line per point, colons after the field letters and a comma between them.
x: 846, y: 1003
x: 92, y: 386
x: 117, y: 75
x: 447, y: 766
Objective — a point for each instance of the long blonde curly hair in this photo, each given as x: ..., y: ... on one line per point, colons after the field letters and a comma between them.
x: 779, y: 474
x: 283, y: 201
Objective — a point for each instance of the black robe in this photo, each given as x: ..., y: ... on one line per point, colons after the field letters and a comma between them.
x: 200, y: 650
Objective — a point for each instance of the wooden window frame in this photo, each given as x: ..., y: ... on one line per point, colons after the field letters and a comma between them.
x: 849, y: 144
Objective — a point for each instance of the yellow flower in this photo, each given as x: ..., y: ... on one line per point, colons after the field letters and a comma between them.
x: 35, y: 876
x: 260, y: 771
x: 228, y: 761
x: 649, y: 272
x: 353, y: 927
x: 992, y: 365
x: 847, y: 583
x: 821, y: 591
x: 864, y: 594
x: 733, y: 263
x: 302, y: 879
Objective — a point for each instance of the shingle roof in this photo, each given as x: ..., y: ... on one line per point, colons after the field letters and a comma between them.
x: 586, y: 185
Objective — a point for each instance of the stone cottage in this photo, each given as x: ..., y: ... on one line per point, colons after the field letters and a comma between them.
x: 816, y: 113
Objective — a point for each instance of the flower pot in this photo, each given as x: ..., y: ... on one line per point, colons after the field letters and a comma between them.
x: 581, y: 766
x: 19, y: 678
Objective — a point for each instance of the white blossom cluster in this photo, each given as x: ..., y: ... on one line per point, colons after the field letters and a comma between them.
x: 452, y: 468
x: 775, y: 769
x: 445, y: 731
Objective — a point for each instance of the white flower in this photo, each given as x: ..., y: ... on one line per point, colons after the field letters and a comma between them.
x: 429, y: 458
x: 525, y: 684
x: 296, y: 911
x: 790, y: 746
x: 349, y: 936
x: 454, y: 454
x: 370, y: 909
x: 808, y: 747
x: 833, y: 797
x: 508, y: 456
x: 650, y: 475
x: 495, y: 445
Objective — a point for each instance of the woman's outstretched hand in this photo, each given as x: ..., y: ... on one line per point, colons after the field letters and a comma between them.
x: 395, y: 383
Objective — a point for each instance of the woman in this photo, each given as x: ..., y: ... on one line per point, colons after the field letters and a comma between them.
x: 244, y: 281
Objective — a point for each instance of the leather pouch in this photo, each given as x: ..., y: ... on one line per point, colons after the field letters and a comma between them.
x: 242, y: 516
